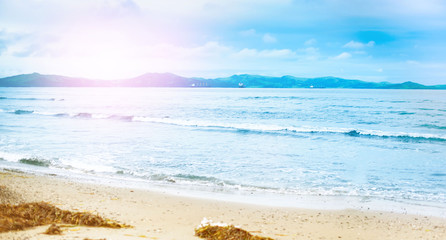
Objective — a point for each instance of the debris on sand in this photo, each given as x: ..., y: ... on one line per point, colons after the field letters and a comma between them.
x: 22, y: 216
x: 221, y: 231
x: 53, y: 230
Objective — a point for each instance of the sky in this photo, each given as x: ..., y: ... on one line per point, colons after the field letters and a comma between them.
x: 371, y: 40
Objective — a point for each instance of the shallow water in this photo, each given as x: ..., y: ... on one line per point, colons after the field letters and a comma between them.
x: 384, y: 145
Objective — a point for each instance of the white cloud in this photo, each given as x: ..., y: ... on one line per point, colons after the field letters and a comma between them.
x: 353, y: 44
x: 412, y: 62
x: 416, y: 7
x: 310, y: 50
x: 309, y: 53
x: 248, y: 33
x: 358, y: 45
x: 310, y: 42
x: 268, y: 53
x: 342, y: 56
x: 281, y: 53
x: 268, y: 38
x: 110, y: 60
x: 409, y: 13
x: 360, y: 52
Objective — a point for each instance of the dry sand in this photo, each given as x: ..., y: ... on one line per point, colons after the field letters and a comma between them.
x: 157, y: 215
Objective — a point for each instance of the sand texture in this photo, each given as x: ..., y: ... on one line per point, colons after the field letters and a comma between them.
x: 156, y: 215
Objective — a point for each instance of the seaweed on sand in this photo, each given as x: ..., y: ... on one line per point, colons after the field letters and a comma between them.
x: 226, y: 233
x: 53, y: 230
x: 22, y: 216
x: 218, y: 231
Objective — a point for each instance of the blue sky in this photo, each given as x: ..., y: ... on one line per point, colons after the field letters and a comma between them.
x: 379, y: 40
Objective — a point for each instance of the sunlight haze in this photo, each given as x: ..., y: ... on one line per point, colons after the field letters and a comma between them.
x: 394, y: 41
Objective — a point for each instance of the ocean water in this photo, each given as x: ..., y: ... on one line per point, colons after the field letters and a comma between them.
x: 361, y: 146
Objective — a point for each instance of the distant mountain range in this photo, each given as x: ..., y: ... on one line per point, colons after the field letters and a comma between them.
x: 235, y: 81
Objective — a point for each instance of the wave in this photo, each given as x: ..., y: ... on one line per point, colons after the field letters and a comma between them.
x: 35, y: 162
x: 31, y: 99
x: 433, y: 126
x: 83, y: 115
x: 61, y: 115
x: 197, y: 178
x: 84, y: 165
x: 20, y: 112
x: 278, y: 97
x: 122, y: 118
x: 256, y: 128
x: 25, y: 159
x: 406, y: 137
x: 402, y: 112
x: 438, y: 174
x: 194, y: 180
x: 292, y: 130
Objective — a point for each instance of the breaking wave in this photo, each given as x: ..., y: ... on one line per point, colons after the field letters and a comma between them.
x: 35, y: 162
x: 30, y: 99
x: 25, y: 159
x: 20, y: 112
x: 292, y: 130
x: 83, y: 115
x: 254, y: 128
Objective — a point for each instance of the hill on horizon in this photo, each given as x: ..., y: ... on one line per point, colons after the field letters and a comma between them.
x: 234, y: 81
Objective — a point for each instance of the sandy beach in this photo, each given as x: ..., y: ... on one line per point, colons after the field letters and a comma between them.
x: 156, y: 215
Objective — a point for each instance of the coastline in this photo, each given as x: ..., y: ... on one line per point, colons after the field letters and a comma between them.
x: 157, y: 215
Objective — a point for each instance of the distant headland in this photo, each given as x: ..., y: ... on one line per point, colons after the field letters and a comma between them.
x: 234, y: 81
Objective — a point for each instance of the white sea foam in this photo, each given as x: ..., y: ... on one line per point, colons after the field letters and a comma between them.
x: 239, y: 126
x: 12, y: 157
x: 208, y: 222
x: 292, y: 129
x: 268, y: 128
x: 44, y: 113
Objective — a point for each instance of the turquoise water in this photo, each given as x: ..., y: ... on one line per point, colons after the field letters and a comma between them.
x: 383, y: 145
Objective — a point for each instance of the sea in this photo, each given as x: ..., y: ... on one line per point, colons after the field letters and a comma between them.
x: 382, y: 150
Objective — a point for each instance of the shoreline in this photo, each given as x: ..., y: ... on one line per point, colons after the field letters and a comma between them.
x: 157, y: 215
x: 243, y: 195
